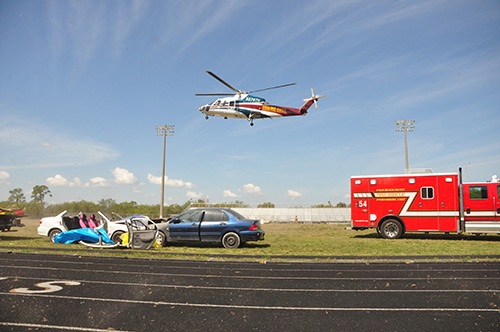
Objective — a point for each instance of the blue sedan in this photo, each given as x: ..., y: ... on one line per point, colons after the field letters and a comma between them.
x: 224, y: 226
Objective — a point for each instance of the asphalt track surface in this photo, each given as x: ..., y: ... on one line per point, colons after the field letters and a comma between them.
x: 40, y: 292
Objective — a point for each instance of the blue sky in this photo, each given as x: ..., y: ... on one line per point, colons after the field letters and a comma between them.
x: 83, y: 85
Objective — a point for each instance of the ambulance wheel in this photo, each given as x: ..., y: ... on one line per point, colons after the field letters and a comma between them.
x: 391, y: 229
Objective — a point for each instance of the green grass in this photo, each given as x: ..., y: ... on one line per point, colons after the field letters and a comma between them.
x: 322, y: 241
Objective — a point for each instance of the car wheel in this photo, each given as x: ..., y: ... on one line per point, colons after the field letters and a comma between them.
x: 161, y: 239
x: 53, y: 233
x: 116, y: 237
x: 231, y: 240
x: 391, y: 229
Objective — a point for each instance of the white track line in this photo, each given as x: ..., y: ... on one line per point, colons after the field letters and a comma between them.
x: 58, y: 327
x: 217, y: 276
x: 285, y: 290
x: 255, y: 307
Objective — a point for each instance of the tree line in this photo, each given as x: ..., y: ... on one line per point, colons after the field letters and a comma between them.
x: 37, y: 206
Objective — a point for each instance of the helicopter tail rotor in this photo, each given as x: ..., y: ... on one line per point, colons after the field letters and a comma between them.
x: 314, y: 98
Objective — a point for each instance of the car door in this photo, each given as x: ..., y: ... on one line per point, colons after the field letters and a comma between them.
x: 140, y: 235
x: 213, y: 225
x: 185, y: 227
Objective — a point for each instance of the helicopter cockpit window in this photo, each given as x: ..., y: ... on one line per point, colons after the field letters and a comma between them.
x: 231, y: 103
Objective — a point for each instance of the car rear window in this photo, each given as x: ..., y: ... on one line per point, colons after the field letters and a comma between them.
x: 237, y: 215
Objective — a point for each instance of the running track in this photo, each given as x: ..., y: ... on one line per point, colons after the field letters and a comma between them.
x: 81, y: 293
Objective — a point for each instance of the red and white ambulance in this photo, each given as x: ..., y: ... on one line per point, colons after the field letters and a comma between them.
x: 424, y: 202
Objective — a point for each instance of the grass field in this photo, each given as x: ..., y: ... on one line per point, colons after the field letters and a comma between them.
x: 323, y: 241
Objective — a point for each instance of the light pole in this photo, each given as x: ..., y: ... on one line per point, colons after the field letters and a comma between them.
x: 164, y: 130
x: 405, y: 126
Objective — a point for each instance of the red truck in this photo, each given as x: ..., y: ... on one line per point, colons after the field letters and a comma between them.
x: 424, y: 202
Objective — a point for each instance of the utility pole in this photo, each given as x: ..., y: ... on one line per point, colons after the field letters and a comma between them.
x: 164, y: 130
x: 405, y: 126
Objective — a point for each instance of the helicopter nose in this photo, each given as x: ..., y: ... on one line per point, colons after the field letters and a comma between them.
x: 204, y: 108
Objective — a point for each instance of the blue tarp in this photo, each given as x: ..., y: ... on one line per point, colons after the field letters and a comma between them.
x: 83, y: 234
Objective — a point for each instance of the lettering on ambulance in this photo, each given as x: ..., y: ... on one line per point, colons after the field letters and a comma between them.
x: 407, y: 197
x: 390, y: 189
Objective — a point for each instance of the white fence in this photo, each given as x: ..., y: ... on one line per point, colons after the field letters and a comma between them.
x: 301, y: 215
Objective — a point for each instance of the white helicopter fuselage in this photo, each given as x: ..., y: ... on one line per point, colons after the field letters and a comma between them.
x: 241, y: 106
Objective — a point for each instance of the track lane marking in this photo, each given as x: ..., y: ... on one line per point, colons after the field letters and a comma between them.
x: 291, y: 290
x: 471, y: 269
x: 255, y: 307
x: 253, y: 277
x: 58, y: 327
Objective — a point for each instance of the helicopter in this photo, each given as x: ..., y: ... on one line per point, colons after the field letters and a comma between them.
x: 242, y: 105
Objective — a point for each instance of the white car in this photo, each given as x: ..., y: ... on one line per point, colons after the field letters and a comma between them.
x: 51, y: 226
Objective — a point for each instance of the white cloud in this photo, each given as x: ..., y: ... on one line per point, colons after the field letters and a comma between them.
x: 183, y: 25
x: 229, y: 193
x: 154, y: 179
x: 194, y: 195
x: 4, y: 178
x: 60, y: 181
x: 293, y: 194
x: 170, y: 182
x: 99, y: 182
x: 76, y: 182
x: 27, y: 143
x: 178, y: 183
x: 57, y: 181
x: 252, y: 189
x: 128, y: 16
x: 123, y: 176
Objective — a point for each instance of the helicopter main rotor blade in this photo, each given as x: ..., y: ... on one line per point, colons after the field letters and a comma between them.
x: 273, y: 87
x: 214, y: 94
x: 222, y: 81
